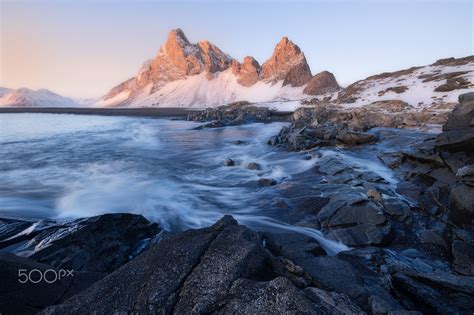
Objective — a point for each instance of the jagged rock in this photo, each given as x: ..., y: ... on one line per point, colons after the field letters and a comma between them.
x: 231, y: 115
x: 221, y: 269
x: 458, y: 131
x: 29, y: 298
x: 287, y: 63
x: 435, y: 292
x: 229, y: 162
x: 102, y: 243
x: 353, y: 219
x: 466, y: 175
x: 297, y: 139
x: 322, y: 83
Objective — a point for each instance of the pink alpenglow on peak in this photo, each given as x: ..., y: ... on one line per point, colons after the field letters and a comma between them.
x: 184, y: 74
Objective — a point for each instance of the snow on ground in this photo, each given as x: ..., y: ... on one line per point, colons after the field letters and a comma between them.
x: 419, y: 94
x: 198, y: 92
x: 122, y: 96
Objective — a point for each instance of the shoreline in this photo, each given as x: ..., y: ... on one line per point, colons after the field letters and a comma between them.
x: 164, y: 112
x: 161, y: 112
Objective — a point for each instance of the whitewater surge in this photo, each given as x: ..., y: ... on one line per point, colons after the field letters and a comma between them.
x: 67, y: 166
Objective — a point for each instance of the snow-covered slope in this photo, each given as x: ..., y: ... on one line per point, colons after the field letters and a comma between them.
x: 199, y: 92
x: 439, y: 83
x: 31, y: 98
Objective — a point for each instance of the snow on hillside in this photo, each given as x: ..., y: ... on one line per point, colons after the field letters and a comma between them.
x: 199, y: 92
x: 421, y: 87
x: 31, y: 98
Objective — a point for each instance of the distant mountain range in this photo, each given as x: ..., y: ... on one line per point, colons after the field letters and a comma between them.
x: 31, y: 98
x: 201, y: 75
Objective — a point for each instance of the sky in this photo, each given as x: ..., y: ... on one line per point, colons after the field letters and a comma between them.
x: 83, y: 48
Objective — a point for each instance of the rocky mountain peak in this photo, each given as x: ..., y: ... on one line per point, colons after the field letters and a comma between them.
x: 322, y: 83
x: 287, y: 63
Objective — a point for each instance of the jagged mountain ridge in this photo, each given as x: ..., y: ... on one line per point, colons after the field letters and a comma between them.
x: 201, y: 75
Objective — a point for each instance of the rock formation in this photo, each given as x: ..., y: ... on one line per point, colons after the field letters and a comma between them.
x: 189, y: 66
x: 322, y: 83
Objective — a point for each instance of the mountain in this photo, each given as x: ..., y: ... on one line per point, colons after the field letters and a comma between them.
x: 31, y: 98
x: 424, y: 86
x: 201, y: 75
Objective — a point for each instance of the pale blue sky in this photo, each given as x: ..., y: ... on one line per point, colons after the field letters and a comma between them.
x: 83, y: 48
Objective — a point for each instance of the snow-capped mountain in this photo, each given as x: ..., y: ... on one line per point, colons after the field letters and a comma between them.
x: 426, y: 86
x: 30, y: 98
x: 201, y: 75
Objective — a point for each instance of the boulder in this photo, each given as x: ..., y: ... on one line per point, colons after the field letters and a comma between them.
x: 229, y: 162
x: 221, y: 269
x: 254, y: 166
x: 458, y: 131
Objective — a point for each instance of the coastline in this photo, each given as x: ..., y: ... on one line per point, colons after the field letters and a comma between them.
x: 161, y: 112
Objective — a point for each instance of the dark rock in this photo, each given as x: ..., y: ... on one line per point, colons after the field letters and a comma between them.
x: 277, y: 296
x: 267, y: 182
x: 102, y: 243
x: 466, y: 175
x: 351, y: 218
x: 463, y: 253
x: 149, y: 283
x: 332, y: 302
x: 29, y: 298
x: 229, y: 162
x: 458, y: 132
x: 435, y: 291
x: 432, y: 237
x: 293, y: 246
x: 461, y: 201
x: 297, y: 139
x: 392, y: 160
x: 254, y: 166
x: 221, y: 269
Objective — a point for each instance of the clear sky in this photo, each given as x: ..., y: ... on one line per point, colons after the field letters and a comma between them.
x: 83, y: 48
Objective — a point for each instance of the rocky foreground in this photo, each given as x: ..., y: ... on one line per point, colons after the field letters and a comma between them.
x: 410, y: 237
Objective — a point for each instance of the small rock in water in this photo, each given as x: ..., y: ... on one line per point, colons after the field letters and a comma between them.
x: 267, y: 182
x: 229, y: 162
x: 238, y: 142
x: 374, y: 194
x: 254, y: 166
